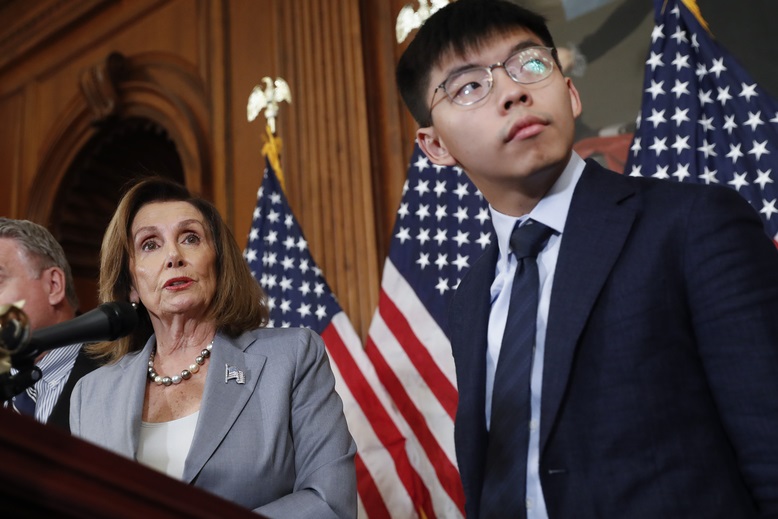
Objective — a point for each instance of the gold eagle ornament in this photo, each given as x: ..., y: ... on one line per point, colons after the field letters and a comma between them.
x: 409, y: 20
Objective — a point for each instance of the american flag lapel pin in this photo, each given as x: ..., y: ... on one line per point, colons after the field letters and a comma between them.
x: 233, y: 373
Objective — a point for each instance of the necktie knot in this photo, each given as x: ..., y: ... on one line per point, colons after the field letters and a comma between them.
x: 528, y: 240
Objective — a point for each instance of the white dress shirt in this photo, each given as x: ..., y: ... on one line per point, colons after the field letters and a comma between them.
x: 551, y: 211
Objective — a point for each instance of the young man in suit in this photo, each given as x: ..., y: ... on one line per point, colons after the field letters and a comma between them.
x: 33, y: 268
x: 634, y: 371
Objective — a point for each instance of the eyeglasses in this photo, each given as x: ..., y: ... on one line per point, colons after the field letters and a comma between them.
x: 526, y: 66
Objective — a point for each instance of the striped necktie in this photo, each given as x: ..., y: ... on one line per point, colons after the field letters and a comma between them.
x: 505, y: 478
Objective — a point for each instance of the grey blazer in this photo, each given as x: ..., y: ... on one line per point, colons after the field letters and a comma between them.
x: 278, y: 444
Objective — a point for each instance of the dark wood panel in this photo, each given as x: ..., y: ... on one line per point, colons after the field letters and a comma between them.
x: 327, y: 162
x: 32, y: 23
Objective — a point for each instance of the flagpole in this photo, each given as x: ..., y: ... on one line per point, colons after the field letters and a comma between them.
x: 267, y: 99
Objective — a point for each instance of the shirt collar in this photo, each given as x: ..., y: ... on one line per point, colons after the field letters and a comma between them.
x: 57, y: 363
x: 551, y: 210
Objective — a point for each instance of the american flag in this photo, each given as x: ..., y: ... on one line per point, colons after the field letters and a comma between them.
x: 278, y: 256
x: 703, y: 119
x: 441, y: 228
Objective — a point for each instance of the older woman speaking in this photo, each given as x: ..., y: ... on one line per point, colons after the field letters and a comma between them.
x: 201, y: 390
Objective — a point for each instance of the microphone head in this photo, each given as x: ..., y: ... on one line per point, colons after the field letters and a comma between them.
x: 122, y: 318
x: 107, y: 322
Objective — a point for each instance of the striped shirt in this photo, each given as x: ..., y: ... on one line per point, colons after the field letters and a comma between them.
x: 56, y: 366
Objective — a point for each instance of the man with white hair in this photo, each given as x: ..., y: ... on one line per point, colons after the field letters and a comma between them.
x: 33, y: 269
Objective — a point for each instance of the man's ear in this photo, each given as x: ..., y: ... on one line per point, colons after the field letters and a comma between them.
x: 575, y: 98
x: 54, y: 279
x: 432, y: 146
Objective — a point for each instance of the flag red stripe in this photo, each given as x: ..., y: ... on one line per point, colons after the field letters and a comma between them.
x: 447, y: 473
x: 372, y: 500
x: 419, y: 355
x: 383, y: 426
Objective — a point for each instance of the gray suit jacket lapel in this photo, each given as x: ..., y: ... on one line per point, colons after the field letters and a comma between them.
x: 127, y: 412
x: 601, y: 215
x: 222, y: 401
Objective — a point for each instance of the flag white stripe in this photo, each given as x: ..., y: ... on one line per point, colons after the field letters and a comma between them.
x: 438, y: 421
x: 374, y: 455
x: 441, y: 429
x: 444, y: 505
x: 423, y: 325
x: 436, y: 418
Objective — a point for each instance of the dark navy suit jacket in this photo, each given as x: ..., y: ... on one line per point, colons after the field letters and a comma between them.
x: 660, y: 385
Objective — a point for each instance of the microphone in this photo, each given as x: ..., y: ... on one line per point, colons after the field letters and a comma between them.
x: 107, y: 322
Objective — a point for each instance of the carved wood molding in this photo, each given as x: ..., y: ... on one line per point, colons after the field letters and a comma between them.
x: 159, y: 87
x: 99, y: 84
x: 28, y: 24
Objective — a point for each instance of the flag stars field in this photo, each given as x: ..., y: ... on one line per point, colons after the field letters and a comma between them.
x: 726, y: 140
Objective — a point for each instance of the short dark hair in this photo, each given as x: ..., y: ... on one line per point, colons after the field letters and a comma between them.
x: 239, y: 304
x: 458, y: 28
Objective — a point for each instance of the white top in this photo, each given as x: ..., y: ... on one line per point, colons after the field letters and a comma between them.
x: 164, y: 446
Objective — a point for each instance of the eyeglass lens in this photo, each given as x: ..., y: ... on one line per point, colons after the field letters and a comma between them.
x: 527, y: 66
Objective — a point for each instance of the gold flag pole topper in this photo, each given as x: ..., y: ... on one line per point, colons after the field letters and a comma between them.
x: 409, y: 20
x: 267, y: 98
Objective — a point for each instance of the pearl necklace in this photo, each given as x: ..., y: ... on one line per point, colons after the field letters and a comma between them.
x: 186, y: 374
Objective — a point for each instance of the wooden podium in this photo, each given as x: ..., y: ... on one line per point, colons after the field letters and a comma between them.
x: 44, y: 472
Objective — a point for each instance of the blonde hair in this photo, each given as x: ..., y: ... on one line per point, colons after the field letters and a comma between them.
x: 239, y: 304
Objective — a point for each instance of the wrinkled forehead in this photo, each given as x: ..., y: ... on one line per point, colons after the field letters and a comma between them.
x: 165, y: 211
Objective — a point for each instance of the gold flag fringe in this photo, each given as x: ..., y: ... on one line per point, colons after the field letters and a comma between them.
x: 693, y: 8
x: 272, y: 150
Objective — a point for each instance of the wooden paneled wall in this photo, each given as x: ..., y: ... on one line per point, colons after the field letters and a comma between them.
x: 192, y: 65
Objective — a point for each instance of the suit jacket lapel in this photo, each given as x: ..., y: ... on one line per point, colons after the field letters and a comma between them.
x: 126, y: 413
x: 223, y: 400
x: 601, y: 215
x: 468, y: 333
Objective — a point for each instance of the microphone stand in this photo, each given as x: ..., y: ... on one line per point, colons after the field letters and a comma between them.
x: 19, y: 348
x: 12, y: 385
x: 14, y: 334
